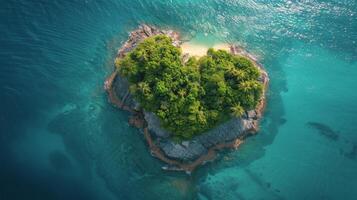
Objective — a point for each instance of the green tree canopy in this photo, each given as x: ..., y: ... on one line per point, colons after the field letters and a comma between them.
x: 190, y: 98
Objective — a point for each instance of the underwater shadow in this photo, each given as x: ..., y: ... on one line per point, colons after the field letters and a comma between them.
x: 324, y: 130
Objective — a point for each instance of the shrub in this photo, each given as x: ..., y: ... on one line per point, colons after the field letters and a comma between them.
x: 190, y: 98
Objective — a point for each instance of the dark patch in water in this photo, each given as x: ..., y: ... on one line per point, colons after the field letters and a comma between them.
x: 352, y: 153
x: 341, y: 152
x: 268, y: 185
x: 324, y: 130
x: 72, y: 127
x: 25, y: 181
x: 282, y: 121
x: 264, y: 185
x: 59, y: 160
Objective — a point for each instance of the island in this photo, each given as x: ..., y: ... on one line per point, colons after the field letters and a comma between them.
x: 188, y: 106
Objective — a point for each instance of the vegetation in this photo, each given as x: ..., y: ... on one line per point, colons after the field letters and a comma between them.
x: 190, y: 98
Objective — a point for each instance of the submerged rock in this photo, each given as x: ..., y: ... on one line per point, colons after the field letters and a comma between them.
x: 324, y: 130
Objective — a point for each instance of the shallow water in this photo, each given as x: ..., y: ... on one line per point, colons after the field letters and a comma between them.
x: 60, y: 139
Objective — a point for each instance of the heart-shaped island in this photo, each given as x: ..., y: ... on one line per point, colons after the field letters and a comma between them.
x: 189, y: 105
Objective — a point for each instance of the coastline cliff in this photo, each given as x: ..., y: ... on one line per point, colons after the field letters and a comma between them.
x: 183, y: 155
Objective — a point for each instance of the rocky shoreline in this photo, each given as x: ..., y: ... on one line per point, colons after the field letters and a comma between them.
x: 186, y: 155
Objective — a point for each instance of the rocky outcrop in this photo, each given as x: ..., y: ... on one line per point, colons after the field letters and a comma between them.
x: 121, y: 84
x: 200, y: 147
x: 154, y: 125
x: 192, y: 149
x: 145, y: 31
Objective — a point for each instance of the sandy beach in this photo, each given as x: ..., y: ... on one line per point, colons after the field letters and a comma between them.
x: 196, y: 49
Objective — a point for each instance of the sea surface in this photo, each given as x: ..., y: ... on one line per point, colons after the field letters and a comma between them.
x: 61, y: 139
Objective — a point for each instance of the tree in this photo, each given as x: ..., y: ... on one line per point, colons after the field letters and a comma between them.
x: 189, y: 98
x: 237, y: 110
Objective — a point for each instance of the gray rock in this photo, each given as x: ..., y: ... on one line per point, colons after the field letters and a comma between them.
x: 185, y: 143
x: 185, y: 57
x: 199, y: 145
x: 249, y: 124
x: 154, y: 125
x: 121, y: 86
x: 251, y: 114
x: 145, y: 31
x: 190, y: 151
x: 227, y: 131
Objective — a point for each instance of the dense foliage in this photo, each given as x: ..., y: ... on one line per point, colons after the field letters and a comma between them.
x: 192, y: 97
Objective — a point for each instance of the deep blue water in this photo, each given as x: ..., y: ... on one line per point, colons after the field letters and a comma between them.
x: 60, y: 139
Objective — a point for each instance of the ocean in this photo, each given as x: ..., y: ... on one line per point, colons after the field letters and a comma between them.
x: 61, y: 139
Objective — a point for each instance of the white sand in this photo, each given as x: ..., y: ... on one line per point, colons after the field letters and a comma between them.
x: 200, y: 50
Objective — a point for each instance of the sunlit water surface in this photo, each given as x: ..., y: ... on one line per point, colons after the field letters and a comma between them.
x: 60, y: 139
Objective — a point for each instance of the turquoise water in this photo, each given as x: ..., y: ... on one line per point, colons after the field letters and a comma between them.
x: 60, y: 139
